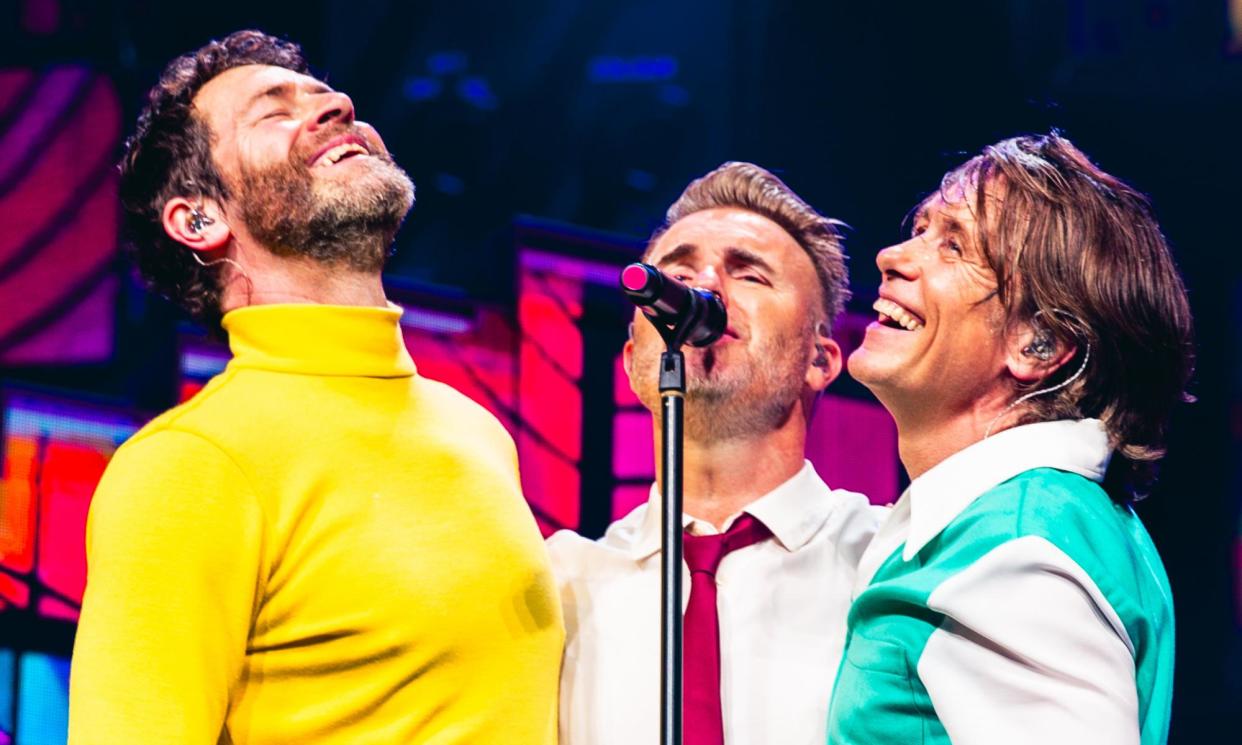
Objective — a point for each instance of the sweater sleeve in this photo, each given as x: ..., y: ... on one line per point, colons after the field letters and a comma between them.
x: 174, y: 542
x: 1030, y: 651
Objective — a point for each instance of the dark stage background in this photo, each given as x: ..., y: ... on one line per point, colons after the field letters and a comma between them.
x: 595, y: 115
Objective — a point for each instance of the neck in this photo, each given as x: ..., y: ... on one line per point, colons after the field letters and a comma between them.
x: 263, y: 278
x: 925, y: 438
x: 719, y: 479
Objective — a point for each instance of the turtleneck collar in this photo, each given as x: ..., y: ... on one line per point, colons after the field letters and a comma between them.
x: 312, y: 339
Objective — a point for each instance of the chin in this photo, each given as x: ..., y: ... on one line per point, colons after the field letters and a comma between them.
x: 378, y: 197
x: 873, y: 373
x: 859, y: 366
x: 337, y: 185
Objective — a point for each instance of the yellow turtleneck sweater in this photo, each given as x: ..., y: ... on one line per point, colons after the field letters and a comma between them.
x: 321, y: 547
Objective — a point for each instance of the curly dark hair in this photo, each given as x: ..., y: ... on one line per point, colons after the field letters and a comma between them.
x: 169, y: 155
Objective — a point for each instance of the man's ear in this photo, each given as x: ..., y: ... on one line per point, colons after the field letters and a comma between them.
x: 825, y: 360
x: 1033, y: 353
x: 197, y: 226
x: 627, y: 356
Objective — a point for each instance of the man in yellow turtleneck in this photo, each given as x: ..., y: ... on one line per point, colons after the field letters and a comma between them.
x: 322, y: 546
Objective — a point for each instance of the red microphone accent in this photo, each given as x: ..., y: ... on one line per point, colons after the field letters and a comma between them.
x: 634, y: 277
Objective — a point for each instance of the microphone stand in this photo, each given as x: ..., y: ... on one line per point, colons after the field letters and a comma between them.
x: 672, y: 411
x: 681, y: 314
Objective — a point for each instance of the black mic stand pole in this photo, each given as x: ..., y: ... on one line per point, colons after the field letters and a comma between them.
x: 701, y: 321
x: 672, y: 414
x: 672, y: 442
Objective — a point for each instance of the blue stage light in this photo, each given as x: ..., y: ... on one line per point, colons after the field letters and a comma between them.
x: 646, y: 69
x: 477, y: 92
x: 43, y: 699
x: 447, y: 63
x: 422, y: 89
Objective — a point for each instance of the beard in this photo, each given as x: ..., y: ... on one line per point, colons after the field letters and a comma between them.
x: 334, y: 223
x: 732, y: 392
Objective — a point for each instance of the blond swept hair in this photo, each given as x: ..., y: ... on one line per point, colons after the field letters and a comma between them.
x: 747, y: 186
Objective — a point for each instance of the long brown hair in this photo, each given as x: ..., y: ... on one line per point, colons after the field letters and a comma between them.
x: 1079, y: 253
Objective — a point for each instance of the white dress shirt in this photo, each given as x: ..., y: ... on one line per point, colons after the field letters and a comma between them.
x: 1031, y: 649
x: 782, y: 605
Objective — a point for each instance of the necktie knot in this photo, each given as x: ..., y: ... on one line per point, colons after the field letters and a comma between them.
x: 705, y: 552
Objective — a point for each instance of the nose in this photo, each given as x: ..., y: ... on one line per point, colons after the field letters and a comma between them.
x: 898, y: 261
x: 332, y: 107
x: 708, y: 279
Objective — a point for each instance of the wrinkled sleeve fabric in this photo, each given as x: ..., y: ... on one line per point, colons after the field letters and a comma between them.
x: 566, y: 559
x: 174, y: 544
x: 1030, y: 651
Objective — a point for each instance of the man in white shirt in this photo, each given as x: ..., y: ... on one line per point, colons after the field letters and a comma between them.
x: 1032, y: 337
x: 783, y: 580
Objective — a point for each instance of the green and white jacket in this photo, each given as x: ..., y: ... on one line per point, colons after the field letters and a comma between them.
x: 1007, y: 599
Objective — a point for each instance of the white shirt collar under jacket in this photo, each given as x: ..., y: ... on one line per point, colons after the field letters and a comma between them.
x: 940, y: 495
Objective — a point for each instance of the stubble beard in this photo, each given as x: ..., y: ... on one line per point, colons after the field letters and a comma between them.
x: 336, y: 224
x: 729, y: 397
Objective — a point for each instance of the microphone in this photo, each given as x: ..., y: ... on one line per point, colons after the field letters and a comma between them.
x: 697, y: 314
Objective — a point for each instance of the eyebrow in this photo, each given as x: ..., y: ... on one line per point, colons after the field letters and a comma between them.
x: 952, y: 225
x: 741, y: 257
x: 680, y: 253
x: 284, y: 90
x: 735, y: 256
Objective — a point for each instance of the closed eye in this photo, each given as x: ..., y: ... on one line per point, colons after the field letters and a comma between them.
x: 677, y: 268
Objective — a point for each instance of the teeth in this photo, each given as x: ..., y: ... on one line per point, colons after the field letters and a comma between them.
x: 897, y: 313
x: 340, y: 151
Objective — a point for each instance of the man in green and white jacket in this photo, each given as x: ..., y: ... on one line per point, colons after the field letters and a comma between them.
x: 1033, y: 336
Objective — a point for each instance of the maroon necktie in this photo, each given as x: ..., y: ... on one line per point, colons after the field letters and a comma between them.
x: 703, y: 723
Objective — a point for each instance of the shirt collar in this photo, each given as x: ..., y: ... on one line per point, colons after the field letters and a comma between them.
x: 793, y: 511
x: 949, y: 487
x: 313, y: 339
